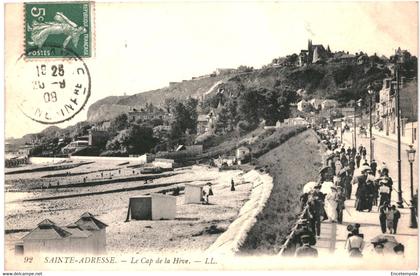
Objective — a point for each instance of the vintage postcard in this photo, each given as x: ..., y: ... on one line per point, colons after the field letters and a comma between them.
x: 211, y: 136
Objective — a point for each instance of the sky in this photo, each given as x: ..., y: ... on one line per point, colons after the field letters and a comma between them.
x: 143, y: 46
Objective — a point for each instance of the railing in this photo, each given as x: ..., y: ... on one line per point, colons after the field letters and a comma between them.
x: 294, y: 228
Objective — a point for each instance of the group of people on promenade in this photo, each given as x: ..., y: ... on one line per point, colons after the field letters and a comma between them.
x: 325, y: 199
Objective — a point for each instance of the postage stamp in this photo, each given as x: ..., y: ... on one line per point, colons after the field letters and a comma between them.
x: 53, y: 91
x: 50, y: 28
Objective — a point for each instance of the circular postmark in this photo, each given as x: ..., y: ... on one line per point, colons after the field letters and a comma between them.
x: 52, y: 91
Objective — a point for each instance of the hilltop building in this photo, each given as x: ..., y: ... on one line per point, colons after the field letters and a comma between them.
x: 313, y: 54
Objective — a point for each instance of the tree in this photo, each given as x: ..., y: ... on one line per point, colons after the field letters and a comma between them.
x: 248, y: 103
x: 222, y: 120
x: 139, y: 139
x: 119, y: 123
x: 169, y: 104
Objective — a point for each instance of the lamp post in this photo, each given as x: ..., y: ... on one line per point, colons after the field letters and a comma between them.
x: 370, y: 91
x: 397, y: 96
x: 411, y: 153
x: 358, y: 103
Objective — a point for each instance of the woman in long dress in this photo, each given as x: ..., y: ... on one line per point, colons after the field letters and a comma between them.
x: 331, y: 203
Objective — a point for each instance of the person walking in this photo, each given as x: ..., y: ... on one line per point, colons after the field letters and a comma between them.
x: 207, y: 192
x: 364, y: 153
x: 344, y: 160
x: 341, y: 198
x: 360, y: 149
x: 306, y: 250
x: 361, y: 192
x: 389, y: 182
x: 355, y: 244
x: 383, y: 209
x: 397, y: 216
x: 358, y: 158
x: 338, y: 166
x: 331, y: 204
x: 384, y: 191
x: 353, y: 152
x: 314, y: 212
x: 232, y: 185
x: 373, y: 166
x: 392, y: 217
x: 349, y: 152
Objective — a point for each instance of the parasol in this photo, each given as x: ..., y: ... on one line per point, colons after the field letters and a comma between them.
x: 388, y: 241
x: 309, y: 186
x: 326, y: 187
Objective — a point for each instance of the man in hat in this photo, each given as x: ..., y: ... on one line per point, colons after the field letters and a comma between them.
x: 373, y: 166
x: 358, y: 158
x: 341, y: 198
x: 315, y: 210
x: 306, y: 250
x: 392, y: 218
x: 303, y: 230
x: 349, y: 151
x: 383, y: 209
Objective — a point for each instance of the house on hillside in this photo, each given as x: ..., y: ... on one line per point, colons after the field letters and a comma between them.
x: 328, y: 104
x: 351, y: 103
x: 303, y: 105
x: 316, y: 103
x: 207, y: 123
x: 295, y: 121
x: 242, y: 153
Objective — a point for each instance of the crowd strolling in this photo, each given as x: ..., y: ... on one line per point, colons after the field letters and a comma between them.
x: 324, y: 200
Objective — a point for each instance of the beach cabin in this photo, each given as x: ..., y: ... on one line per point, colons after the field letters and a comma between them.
x: 152, y: 207
x: 193, y: 193
x: 86, y: 236
x: 89, y: 223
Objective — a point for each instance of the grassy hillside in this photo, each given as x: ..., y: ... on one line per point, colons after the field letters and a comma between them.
x: 319, y: 80
x: 110, y: 107
x: 292, y: 164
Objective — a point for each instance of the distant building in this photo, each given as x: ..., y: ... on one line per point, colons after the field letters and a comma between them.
x: 224, y: 71
x: 346, y: 111
x: 303, y: 105
x: 386, y: 108
x: 351, y: 103
x: 295, y: 121
x: 75, y: 145
x: 242, y: 153
x: 328, y: 104
x: 313, y: 54
x: 316, y: 103
x: 207, y: 123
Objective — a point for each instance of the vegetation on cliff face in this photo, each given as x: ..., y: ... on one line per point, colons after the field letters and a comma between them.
x: 292, y: 164
x: 340, y: 81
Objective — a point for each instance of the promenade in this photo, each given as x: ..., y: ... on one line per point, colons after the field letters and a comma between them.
x: 333, y: 235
